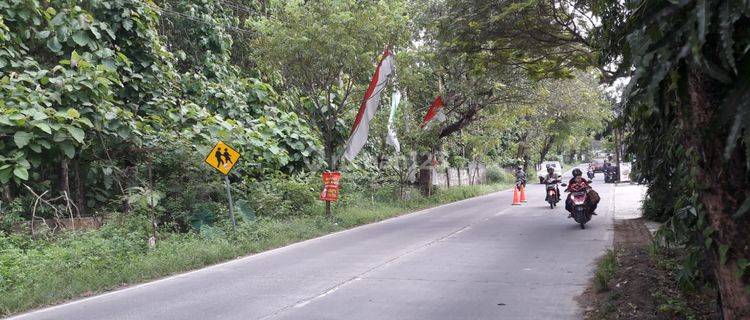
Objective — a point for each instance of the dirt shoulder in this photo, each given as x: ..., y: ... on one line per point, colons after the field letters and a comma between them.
x: 644, y: 282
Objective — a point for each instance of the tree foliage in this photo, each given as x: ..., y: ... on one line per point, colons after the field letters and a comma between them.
x: 546, y: 38
x: 568, y: 108
x: 325, y: 54
x: 93, y: 85
x: 687, y: 104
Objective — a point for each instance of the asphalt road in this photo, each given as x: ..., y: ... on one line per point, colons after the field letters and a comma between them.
x: 475, y: 259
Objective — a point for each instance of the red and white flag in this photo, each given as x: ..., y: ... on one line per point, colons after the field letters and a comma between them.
x: 436, y: 109
x: 370, y: 103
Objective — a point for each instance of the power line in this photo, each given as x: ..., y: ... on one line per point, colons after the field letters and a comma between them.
x: 238, y: 6
x: 192, y: 18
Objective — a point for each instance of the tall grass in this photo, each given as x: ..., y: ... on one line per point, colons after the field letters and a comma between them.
x: 605, y: 272
x: 38, y: 272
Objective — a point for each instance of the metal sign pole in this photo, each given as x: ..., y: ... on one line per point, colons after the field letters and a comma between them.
x: 231, y: 204
x: 223, y: 161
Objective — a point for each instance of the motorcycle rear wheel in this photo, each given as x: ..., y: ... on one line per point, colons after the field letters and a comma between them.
x: 583, y: 225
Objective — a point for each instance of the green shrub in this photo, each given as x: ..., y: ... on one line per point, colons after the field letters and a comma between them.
x: 283, y: 196
x: 193, y: 194
x: 498, y: 175
x: 8, y: 220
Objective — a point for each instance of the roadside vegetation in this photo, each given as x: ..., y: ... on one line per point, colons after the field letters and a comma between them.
x: 646, y: 286
x: 605, y: 271
x: 642, y: 279
x: 52, y: 268
x: 108, y: 108
x: 685, y: 116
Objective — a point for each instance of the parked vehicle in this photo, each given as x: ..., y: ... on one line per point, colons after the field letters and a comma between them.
x: 542, y: 172
x: 611, y: 173
x: 597, y: 165
x: 609, y: 176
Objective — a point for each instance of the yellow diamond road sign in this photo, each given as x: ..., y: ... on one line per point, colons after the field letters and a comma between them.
x: 223, y: 157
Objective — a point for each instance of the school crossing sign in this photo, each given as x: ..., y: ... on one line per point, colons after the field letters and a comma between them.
x: 222, y: 157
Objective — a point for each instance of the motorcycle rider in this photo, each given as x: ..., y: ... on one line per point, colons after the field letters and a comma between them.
x: 552, y: 177
x: 520, y: 177
x: 578, y: 179
x: 608, y: 169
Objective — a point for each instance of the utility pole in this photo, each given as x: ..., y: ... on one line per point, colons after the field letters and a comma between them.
x: 618, y: 148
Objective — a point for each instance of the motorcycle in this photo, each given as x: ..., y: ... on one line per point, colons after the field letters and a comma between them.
x: 609, y: 176
x: 552, y: 197
x: 590, y: 173
x: 581, y: 212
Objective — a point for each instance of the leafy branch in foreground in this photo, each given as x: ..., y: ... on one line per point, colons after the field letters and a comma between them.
x: 688, y: 104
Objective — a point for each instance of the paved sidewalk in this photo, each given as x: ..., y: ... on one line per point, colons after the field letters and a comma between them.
x: 628, y: 201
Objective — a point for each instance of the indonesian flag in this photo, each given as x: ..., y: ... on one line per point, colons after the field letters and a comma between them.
x: 370, y: 103
x: 391, y: 139
x: 435, y: 110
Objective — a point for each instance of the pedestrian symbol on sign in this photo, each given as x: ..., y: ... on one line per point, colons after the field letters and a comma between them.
x: 222, y: 157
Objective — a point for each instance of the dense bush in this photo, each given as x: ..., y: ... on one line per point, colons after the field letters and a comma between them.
x: 92, y: 94
x: 499, y: 175
x: 283, y: 196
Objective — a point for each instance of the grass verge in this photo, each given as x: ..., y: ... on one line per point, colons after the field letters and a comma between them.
x: 34, y: 273
x: 605, y: 271
x: 639, y: 280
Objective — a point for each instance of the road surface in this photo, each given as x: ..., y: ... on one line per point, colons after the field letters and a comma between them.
x: 475, y: 259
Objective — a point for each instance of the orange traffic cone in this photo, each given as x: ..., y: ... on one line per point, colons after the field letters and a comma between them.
x: 523, y: 194
x: 516, y: 200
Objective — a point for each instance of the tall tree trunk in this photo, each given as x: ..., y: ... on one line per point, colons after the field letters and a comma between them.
x: 154, y: 221
x: 522, y: 146
x: 381, y: 154
x: 471, y: 174
x: 722, y: 191
x: 330, y: 155
x: 64, y: 176
x: 523, y: 150
x: 80, y: 197
x: 448, y: 177
x: 7, y: 195
x: 526, y: 162
x: 425, y: 173
x: 545, y: 148
x: 458, y: 169
x: 129, y: 172
x: 478, y: 176
x: 618, y: 155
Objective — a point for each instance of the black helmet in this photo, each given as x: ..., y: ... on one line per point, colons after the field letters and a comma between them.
x: 577, y: 172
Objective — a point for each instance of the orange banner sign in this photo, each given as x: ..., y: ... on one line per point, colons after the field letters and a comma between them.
x: 330, y: 186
